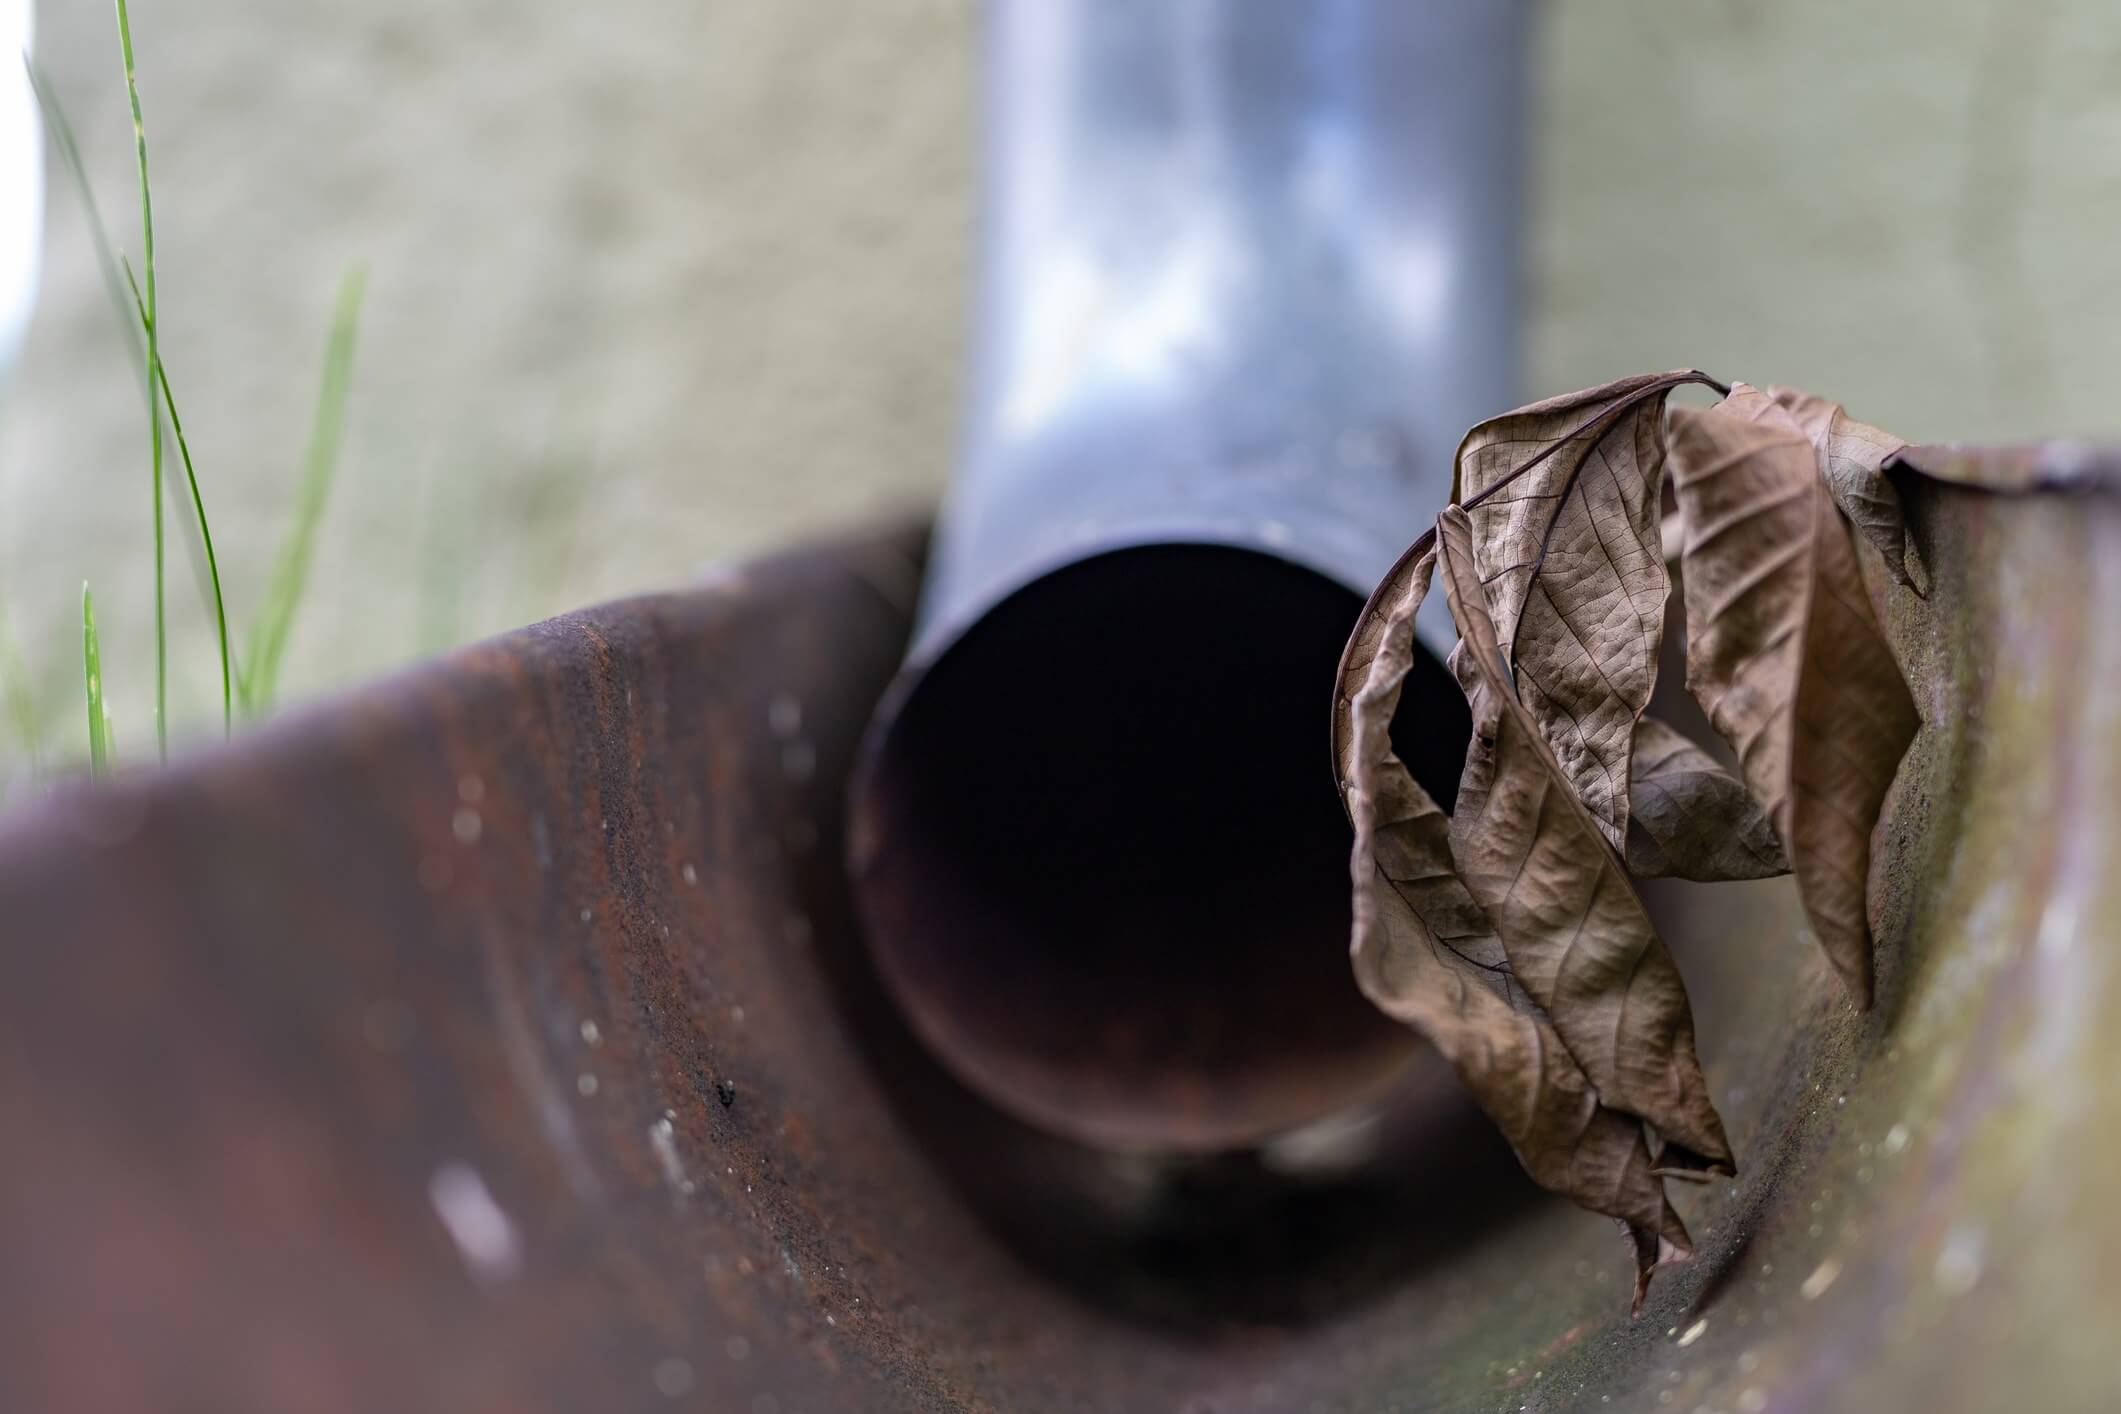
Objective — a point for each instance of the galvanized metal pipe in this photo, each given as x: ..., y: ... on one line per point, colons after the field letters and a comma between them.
x: 1248, y: 272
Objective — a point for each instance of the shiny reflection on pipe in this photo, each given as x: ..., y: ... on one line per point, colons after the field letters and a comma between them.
x: 1248, y: 270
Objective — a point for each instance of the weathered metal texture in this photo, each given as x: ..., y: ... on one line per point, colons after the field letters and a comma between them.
x: 2030, y: 466
x: 1247, y: 271
x: 497, y: 1039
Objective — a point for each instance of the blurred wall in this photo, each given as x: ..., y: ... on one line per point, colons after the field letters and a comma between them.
x: 1911, y: 205
x: 648, y: 283
x: 651, y: 284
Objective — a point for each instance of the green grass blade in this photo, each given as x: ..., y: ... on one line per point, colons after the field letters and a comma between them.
x: 115, y: 280
x: 131, y: 309
x: 99, y: 762
x: 198, y: 501
x: 62, y: 132
x: 258, y: 679
x: 154, y: 370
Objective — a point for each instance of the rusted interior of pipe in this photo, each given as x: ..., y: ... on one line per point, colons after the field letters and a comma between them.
x: 1101, y: 862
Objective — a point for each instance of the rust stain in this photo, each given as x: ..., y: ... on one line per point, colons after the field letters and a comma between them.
x: 499, y: 1038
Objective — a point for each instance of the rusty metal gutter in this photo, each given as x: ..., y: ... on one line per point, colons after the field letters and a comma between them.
x: 498, y: 1038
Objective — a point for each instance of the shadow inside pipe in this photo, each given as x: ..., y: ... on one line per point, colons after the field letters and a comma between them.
x: 1103, y: 871
x: 1102, y: 862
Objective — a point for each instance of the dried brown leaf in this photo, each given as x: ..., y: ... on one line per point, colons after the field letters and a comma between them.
x: 1784, y: 652
x: 1852, y: 457
x: 1691, y: 819
x: 1572, y: 558
x: 1575, y: 933
x: 1425, y: 954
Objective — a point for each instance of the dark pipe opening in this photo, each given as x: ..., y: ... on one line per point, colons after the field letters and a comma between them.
x: 1101, y: 862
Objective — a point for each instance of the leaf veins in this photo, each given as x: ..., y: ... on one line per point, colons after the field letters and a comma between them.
x: 1785, y: 653
x: 1573, y: 564
x: 1852, y: 457
x: 1690, y: 818
x: 1576, y: 935
x: 1426, y: 955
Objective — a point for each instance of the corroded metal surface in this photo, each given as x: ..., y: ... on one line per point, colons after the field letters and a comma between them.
x: 497, y: 1039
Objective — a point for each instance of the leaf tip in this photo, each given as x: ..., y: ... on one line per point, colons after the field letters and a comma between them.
x: 1652, y: 1250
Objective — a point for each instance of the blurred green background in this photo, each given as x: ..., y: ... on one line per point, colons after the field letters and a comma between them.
x: 650, y: 285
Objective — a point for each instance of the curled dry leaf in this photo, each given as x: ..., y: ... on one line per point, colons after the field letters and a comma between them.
x: 1785, y: 653
x: 1572, y: 558
x: 1691, y: 819
x: 1575, y: 933
x: 1426, y: 955
x: 1852, y: 457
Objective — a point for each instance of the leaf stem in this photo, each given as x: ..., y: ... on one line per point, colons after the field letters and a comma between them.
x: 1611, y: 417
x: 1423, y: 541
